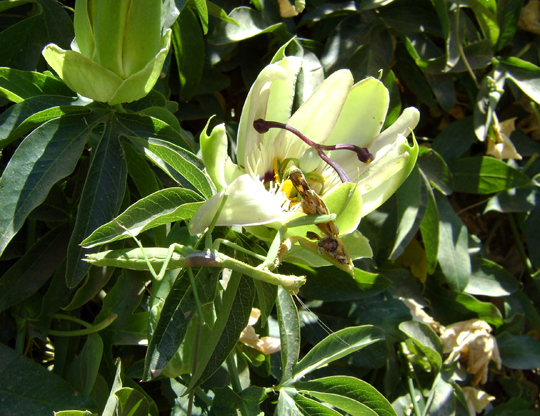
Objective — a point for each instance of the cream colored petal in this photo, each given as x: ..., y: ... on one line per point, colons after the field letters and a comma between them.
x: 317, y: 117
x: 271, y: 97
x: 247, y: 203
x: 81, y: 74
x: 363, y: 114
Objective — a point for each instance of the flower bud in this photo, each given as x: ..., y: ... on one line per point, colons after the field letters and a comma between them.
x: 118, y: 51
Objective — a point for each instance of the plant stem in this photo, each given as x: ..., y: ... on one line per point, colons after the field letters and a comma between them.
x: 235, y: 380
x: 90, y: 330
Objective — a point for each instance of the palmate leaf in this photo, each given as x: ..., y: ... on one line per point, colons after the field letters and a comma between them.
x: 28, y: 388
x: 233, y: 315
x: 46, y: 21
x: 352, y: 395
x: 47, y: 155
x: 18, y: 86
x: 23, y: 117
x: 101, y: 198
x: 289, y: 331
x: 335, y: 346
x: 162, y: 207
x: 453, y: 255
x: 34, y: 268
x: 485, y: 175
x: 175, y: 317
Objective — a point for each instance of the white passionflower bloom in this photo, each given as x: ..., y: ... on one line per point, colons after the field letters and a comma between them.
x: 337, y: 113
x: 471, y: 341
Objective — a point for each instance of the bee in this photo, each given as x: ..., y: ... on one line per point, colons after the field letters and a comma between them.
x: 330, y: 245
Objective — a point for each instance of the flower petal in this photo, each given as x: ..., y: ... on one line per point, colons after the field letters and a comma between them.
x: 141, y: 83
x: 345, y: 201
x: 81, y: 74
x: 363, y: 113
x: 218, y: 164
x: 380, y: 182
x: 271, y: 97
x: 318, y: 115
x: 247, y: 203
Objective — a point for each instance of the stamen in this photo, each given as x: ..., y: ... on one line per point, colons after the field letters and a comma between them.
x: 262, y: 126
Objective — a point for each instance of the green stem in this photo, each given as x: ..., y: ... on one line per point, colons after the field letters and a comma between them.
x: 72, y: 319
x: 90, y: 330
x: 119, y: 108
x: 235, y: 381
x: 411, y: 393
x: 519, y: 244
x: 196, y: 295
x: 230, y: 244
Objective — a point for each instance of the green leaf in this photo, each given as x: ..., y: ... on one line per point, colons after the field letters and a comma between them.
x: 28, y: 388
x: 123, y: 299
x: 147, y: 127
x: 34, y: 268
x: 180, y: 164
x: 83, y: 370
x: 142, y: 174
x: 48, y: 154
x: 178, y: 310
x: 188, y: 46
x: 309, y: 406
x: 18, y: 86
x: 21, y: 118
x: 349, y: 394
x: 532, y: 224
x: 519, y: 352
x: 22, y: 43
x: 100, y: 200
x: 286, y: 404
x: 485, y: 175
x: 443, y: 402
x: 490, y: 279
x: 216, y: 11
x: 436, y: 170
x: 411, y: 208
x: 455, y: 139
x: 487, y: 19
x: 525, y: 74
x: 131, y: 403
x: 508, y: 12
x: 514, y: 200
x: 339, y: 286
x: 250, y: 23
x: 453, y: 253
x: 486, y: 311
x: 289, y: 332
x: 426, y: 340
x: 162, y: 207
x: 429, y: 227
x: 233, y: 317
x: 202, y: 11
x: 335, y: 346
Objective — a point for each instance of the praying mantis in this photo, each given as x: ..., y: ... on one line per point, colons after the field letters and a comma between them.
x: 177, y: 255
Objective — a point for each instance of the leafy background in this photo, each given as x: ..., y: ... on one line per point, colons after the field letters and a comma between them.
x: 460, y: 236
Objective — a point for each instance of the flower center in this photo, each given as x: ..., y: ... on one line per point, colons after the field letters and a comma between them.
x: 278, y: 179
x: 262, y: 126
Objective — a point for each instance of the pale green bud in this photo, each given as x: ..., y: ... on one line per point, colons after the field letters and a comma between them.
x: 118, y: 51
